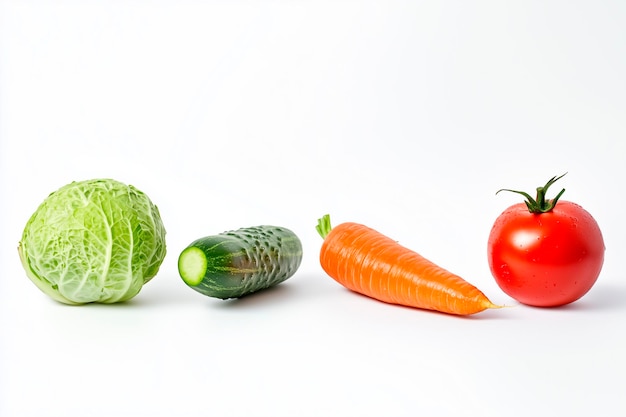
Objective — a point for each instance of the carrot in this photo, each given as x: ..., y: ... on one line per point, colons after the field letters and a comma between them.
x: 370, y: 263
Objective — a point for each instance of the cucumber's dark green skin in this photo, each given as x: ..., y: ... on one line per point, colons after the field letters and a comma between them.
x: 248, y: 260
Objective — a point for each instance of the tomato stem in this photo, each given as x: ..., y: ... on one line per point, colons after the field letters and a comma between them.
x: 540, y: 204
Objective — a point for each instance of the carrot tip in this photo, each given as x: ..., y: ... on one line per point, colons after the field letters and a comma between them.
x: 495, y: 306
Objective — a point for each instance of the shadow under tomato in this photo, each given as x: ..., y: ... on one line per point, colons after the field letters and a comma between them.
x: 603, y: 297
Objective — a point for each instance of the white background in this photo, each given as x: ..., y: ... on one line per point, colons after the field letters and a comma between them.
x: 406, y: 116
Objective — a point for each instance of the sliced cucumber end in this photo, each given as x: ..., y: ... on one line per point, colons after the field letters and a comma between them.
x: 192, y: 265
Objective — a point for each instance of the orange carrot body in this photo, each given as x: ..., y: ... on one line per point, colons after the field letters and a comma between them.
x: 370, y: 263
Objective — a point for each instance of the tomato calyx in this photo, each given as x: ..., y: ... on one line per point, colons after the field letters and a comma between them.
x: 540, y: 204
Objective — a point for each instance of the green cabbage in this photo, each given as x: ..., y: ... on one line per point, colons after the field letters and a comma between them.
x: 94, y: 241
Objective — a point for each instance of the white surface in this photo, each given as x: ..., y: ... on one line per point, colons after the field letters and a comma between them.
x: 403, y: 115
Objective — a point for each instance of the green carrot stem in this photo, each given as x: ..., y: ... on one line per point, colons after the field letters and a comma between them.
x: 323, y: 226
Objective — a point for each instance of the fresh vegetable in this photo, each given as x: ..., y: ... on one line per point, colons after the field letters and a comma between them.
x: 544, y: 252
x: 370, y: 263
x: 94, y: 241
x: 237, y: 263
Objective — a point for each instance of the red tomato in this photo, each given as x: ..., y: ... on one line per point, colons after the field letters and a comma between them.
x: 546, y: 258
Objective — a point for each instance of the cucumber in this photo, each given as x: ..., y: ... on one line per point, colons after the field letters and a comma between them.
x: 239, y: 262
